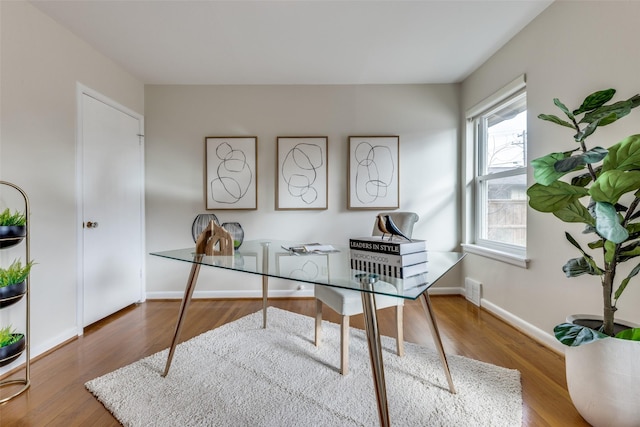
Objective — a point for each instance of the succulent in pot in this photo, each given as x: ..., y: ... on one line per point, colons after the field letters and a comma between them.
x: 12, y: 344
x: 13, y: 282
x: 12, y: 228
x: 12, y: 219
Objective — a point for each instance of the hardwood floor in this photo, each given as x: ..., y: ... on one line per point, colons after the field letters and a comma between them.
x: 57, y: 396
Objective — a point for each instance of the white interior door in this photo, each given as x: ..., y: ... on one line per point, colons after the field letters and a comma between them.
x: 112, y: 192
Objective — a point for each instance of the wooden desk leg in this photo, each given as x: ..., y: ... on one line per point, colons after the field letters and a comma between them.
x: 431, y: 319
x: 186, y: 299
x: 375, y: 348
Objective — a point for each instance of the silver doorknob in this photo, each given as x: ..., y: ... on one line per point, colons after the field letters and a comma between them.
x: 91, y: 224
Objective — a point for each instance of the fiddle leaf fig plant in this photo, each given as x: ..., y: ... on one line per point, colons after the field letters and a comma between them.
x: 600, y: 188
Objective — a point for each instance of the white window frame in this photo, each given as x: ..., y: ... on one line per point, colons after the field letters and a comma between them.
x: 513, y: 254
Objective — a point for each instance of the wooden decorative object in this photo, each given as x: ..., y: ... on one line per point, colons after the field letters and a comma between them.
x: 214, y: 235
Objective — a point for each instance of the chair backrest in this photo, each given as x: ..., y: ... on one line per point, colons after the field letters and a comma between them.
x: 404, y: 220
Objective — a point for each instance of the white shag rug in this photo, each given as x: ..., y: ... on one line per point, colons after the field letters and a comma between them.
x: 242, y: 375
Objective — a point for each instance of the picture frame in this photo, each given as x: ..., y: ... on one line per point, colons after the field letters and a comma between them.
x: 301, y: 172
x: 373, y: 177
x: 231, y: 176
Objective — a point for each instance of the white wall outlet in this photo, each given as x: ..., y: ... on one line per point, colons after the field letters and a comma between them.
x: 473, y: 290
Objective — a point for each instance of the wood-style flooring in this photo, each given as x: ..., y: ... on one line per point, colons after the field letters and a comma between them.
x: 57, y: 396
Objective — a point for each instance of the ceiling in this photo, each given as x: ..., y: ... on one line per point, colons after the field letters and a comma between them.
x: 296, y: 41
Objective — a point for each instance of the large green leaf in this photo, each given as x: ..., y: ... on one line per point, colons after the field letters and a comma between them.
x: 588, y: 129
x: 625, y: 155
x: 609, y: 113
x: 553, y: 197
x: 578, y: 266
x: 613, y: 184
x: 632, y: 334
x: 544, y: 171
x: 595, y: 155
x: 585, y: 179
x: 608, y: 223
x: 575, y: 212
x: 595, y: 100
x: 633, y: 227
x: 577, y: 263
x: 570, y: 163
x: 575, y: 335
x: 596, y: 245
x: 625, y: 282
x: 563, y: 107
x: 628, y: 252
x: 609, y: 251
x: 555, y: 119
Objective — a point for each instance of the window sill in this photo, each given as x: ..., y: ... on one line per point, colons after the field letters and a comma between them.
x: 509, y: 258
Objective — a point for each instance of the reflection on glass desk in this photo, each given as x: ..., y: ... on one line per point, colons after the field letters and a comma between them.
x: 251, y: 257
x: 271, y: 258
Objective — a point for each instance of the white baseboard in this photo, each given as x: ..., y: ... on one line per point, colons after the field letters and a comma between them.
x: 528, y: 329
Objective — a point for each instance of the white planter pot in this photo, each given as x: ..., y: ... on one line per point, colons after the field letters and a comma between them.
x: 603, y: 379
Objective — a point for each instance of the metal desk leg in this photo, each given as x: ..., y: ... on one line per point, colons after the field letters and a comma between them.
x: 265, y: 282
x: 431, y: 319
x: 186, y: 299
x: 375, y: 348
x: 265, y: 295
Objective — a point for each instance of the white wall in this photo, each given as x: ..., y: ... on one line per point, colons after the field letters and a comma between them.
x: 41, y: 64
x: 178, y: 118
x: 569, y: 51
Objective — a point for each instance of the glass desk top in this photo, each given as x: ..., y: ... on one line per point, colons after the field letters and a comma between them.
x: 271, y: 258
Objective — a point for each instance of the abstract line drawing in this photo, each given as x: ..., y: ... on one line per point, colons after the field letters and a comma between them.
x: 302, y: 173
x: 305, y: 268
x: 307, y: 271
x: 373, y: 172
x: 299, y: 171
x: 231, y: 178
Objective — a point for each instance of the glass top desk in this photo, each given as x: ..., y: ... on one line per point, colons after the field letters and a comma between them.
x: 271, y: 258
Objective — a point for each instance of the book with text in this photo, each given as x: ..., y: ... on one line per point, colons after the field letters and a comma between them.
x: 397, y: 247
x: 389, y: 259
x: 389, y: 270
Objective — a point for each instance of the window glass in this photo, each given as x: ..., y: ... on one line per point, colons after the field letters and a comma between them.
x: 501, y: 179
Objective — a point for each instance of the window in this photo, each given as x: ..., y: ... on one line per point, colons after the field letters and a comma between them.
x: 499, y: 201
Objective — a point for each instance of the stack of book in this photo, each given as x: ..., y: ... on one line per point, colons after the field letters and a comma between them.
x: 395, y: 258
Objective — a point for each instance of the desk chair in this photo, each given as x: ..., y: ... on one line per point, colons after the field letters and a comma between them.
x: 348, y: 302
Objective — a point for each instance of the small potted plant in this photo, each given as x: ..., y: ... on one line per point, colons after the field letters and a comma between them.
x: 12, y: 228
x: 600, y: 189
x: 13, y: 282
x: 12, y: 345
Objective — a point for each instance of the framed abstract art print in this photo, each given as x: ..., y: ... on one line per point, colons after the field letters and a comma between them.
x: 231, y: 174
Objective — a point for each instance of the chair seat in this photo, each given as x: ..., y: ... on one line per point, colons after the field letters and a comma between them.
x: 349, y: 302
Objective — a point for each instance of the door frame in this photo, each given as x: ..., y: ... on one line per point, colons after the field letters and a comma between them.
x: 82, y: 90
